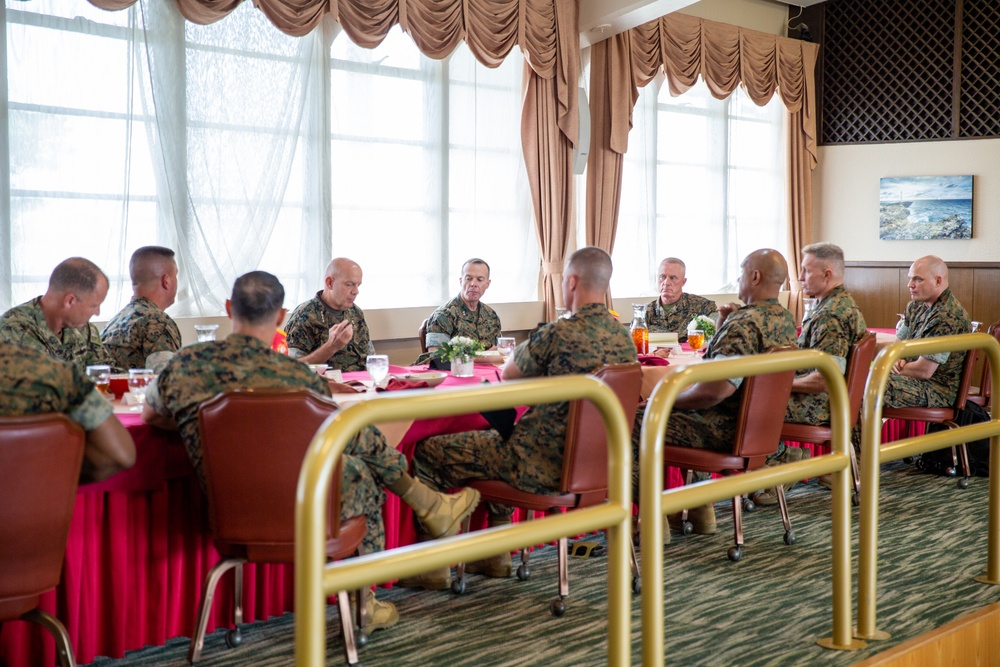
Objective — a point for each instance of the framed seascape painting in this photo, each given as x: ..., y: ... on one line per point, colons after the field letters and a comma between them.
x: 925, y: 207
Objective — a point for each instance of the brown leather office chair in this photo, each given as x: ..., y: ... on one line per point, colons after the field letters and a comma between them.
x: 859, y: 361
x: 42, y: 455
x: 253, y: 443
x: 982, y: 395
x: 758, y: 429
x: 945, y: 416
x: 584, y: 477
x: 422, y: 336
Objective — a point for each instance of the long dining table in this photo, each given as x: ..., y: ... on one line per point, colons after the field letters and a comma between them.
x: 139, y: 547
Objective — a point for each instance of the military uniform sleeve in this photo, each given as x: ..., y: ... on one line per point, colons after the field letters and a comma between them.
x: 92, y: 411
x: 440, y: 327
x: 828, y: 335
x: 301, y: 331
x: 532, y: 356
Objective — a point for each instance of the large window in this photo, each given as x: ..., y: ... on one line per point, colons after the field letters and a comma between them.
x: 244, y: 148
x: 703, y: 181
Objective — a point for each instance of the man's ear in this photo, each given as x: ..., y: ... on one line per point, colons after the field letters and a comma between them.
x: 281, y: 317
x: 229, y: 308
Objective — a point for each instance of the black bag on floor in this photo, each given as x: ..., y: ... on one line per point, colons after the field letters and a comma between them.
x: 939, y: 461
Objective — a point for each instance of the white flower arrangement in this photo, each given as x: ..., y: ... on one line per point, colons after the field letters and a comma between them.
x: 705, y: 323
x: 459, y: 347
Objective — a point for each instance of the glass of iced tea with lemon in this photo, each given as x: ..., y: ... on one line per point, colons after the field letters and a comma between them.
x: 696, y: 339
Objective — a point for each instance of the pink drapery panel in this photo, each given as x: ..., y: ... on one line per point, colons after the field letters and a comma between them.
x: 725, y: 56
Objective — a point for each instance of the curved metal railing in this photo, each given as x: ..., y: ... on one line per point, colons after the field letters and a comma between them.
x: 655, y: 502
x: 874, y: 453
x: 315, y: 579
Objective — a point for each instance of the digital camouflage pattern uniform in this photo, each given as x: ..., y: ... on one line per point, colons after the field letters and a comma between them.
x: 675, y: 317
x: 199, y: 372
x: 140, y: 331
x: 32, y: 382
x: 749, y: 330
x: 834, y: 326
x: 309, y: 325
x: 532, y: 459
x: 944, y: 317
x: 455, y: 319
x: 25, y: 325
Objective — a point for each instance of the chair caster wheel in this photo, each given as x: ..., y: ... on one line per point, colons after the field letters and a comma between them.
x: 636, y: 585
x: 735, y: 553
x: 523, y: 572
x: 907, y: 459
x: 687, y: 528
x: 789, y: 537
x: 458, y: 586
x: 558, y: 607
x: 361, y: 639
x: 748, y: 505
x: 951, y: 472
x: 855, y: 498
x: 234, y: 638
x: 963, y: 483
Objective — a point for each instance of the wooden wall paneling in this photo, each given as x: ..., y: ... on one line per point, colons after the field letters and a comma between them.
x: 986, y: 296
x: 872, y: 288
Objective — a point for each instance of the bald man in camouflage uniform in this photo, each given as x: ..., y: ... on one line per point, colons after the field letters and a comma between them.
x: 933, y: 311
x: 674, y: 309
x: 33, y: 383
x: 742, y: 331
x: 58, y: 322
x: 466, y: 314
x: 532, y: 459
x: 142, y: 335
x: 329, y: 328
x: 833, y: 327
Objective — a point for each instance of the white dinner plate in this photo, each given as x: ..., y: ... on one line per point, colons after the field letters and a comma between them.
x: 432, y: 378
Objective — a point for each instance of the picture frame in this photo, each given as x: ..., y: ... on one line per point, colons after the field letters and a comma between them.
x: 925, y: 208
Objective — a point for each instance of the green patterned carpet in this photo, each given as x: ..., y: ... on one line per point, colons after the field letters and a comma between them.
x: 768, y: 609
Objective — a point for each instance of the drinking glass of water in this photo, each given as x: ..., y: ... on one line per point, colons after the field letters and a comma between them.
x: 206, y: 332
x: 100, y: 375
x: 377, y: 366
x: 138, y: 380
x: 505, y: 346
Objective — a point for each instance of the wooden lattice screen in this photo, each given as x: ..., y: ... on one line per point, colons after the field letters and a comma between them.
x: 910, y: 70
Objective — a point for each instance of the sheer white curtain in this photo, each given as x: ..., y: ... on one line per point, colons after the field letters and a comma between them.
x: 244, y: 148
x: 703, y: 180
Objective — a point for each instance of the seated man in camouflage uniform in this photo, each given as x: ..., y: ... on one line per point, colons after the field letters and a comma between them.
x: 833, y: 327
x: 58, y: 322
x: 329, y: 328
x: 33, y: 383
x: 675, y: 309
x: 933, y: 310
x: 705, y: 413
x: 466, y: 314
x: 141, y: 335
x: 245, y: 360
x: 532, y: 458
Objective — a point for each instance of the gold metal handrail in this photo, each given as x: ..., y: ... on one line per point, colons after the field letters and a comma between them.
x: 655, y: 502
x: 315, y: 579
x: 874, y: 453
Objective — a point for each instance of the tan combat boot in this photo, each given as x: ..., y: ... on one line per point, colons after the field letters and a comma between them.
x: 440, y: 514
x: 498, y: 566
x: 702, y: 520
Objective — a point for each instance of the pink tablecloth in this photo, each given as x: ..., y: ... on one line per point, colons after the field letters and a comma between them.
x: 139, y: 547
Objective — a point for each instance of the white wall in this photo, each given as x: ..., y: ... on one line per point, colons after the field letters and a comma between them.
x: 846, y: 197
x: 763, y: 15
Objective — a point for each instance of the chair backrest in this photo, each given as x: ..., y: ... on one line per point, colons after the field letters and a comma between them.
x: 253, y: 442
x: 762, y: 414
x: 986, y: 379
x: 585, y: 454
x: 965, y: 381
x: 40, y: 457
x: 859, y: 362
x: 422, y: 336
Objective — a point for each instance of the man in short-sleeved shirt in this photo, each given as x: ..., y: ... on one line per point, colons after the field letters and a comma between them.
x: 933, y: 310
x: 142, y: 335
x: 531, y: 460
x: 58, y: 322
x: 674, y: 309
x: 329, y: 328
x: 833, y: 327
x: 466, y: 314
x: 33, y: 383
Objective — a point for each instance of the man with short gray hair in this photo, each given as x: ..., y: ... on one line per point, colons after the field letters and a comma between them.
x: 466, y: 314
x: 674, y: 309
x: 58, y: 322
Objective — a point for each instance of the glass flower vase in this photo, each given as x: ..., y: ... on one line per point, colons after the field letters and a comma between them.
x: 462, y: 367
